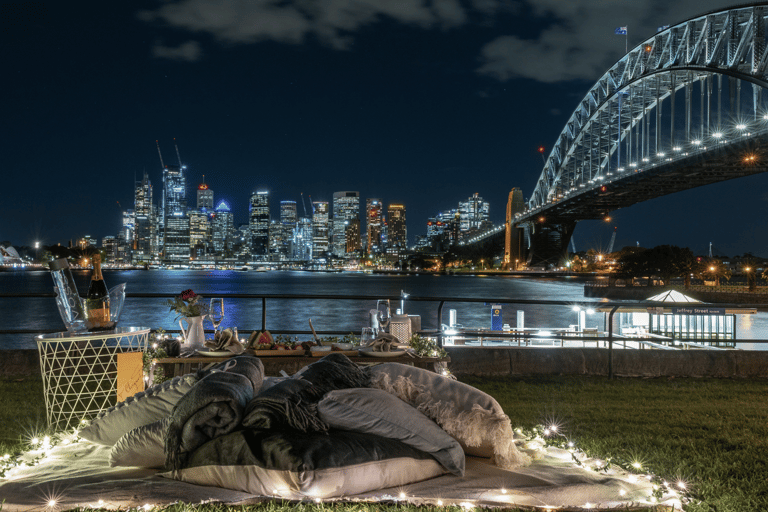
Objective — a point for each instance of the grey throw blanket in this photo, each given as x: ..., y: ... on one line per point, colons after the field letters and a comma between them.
x: 212, y: 408
x: 292, y: 403
x: 247, y: 365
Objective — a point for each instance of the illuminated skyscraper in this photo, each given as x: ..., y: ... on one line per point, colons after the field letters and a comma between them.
x: 374, y: 213
x: 352, y: 236
x: 222, y: 227
x: 144, y: 226
x: 288, y: 219
x: 473, y: 214
x: 176, y: 222
x: 320, y: 229
x: 259, y: 223
x: 397, y: 234
x: 204, y: 196
x: 346, y: 207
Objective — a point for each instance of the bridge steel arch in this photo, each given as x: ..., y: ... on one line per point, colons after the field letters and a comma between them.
x: 617, y: 128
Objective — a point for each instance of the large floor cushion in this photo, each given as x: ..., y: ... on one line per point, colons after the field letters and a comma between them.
x: 374, y: 411
x: 142, y: 408
x: 296, y: 465
x: 472, y: 417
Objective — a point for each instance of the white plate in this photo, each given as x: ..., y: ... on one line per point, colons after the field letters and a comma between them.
x: 368, y: 351
x: 215, y: 353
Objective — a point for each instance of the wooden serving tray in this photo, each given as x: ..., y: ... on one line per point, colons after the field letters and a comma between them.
x: 258, y: 353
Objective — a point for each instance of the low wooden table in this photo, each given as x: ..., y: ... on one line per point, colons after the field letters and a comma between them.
x: 290, y: 364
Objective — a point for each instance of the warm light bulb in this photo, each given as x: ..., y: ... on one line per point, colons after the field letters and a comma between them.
x: 637, y: 465
x: 51, y: 503
x: 402, y: 495
x: 622, y: 492
x: 439, y: 503
x: 681, y: 484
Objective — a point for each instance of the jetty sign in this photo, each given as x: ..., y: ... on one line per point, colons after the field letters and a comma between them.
x: 698, y: 310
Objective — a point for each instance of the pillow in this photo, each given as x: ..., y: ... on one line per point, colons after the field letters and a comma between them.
x: 472, y: 417
x: 295, y: 466
x: 142, y: 447
x: 375, y: 411
x: 142, y: 408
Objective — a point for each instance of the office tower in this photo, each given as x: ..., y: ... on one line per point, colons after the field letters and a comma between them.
x: 204, y: 196
x: 374, y: 217
x: 397, y: 234
x: 199, y: 232
x: 110, y: 244
x: 352, y: 236
x: 258, y: 221
x: 346, y: 207
x: 176, y: 222
x: 473, y: 215
x: 301, y: 241
x: 320, y: 228
x: 222, y: 226
x: 275, y: 244
x: 145, y: 226
x: 288, y: 218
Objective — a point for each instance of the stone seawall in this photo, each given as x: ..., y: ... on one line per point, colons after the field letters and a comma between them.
x: 526, y: 361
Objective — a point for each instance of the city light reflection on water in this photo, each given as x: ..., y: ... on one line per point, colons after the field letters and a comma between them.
x: 326, y: 314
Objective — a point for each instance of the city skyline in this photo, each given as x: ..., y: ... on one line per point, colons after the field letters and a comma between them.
x: 422, y: 103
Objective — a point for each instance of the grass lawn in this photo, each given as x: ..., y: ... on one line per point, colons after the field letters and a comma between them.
x: 713, y: 434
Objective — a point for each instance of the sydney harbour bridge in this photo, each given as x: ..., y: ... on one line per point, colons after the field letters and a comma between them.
x: 682, y: 109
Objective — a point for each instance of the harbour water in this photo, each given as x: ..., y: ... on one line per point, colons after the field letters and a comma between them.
x: 326, y: 314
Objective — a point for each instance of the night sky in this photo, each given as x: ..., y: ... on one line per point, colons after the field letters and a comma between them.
x: 414, y: 101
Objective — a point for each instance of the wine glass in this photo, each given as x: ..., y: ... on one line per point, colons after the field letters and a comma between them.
x: 382, y: 314
x: 366, y: 337
x: 216, y: 313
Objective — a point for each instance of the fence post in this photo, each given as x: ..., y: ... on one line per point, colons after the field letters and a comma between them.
x: 440, y: 324
x: 610, y: 341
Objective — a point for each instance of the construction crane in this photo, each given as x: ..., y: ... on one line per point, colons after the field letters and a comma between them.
x: 162, y: 164
x: 177, y: 151
x: 613, y: 239
x: 303, y: 205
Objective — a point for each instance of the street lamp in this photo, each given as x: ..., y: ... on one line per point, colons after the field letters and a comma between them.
x: 37, y: 247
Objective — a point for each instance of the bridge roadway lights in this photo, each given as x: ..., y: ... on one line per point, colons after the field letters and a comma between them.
x: 549, y: 242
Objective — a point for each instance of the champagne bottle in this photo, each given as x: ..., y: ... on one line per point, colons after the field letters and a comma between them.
x: 97, y: 301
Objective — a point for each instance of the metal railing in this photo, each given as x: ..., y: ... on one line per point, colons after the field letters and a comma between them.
x: 609, y: 338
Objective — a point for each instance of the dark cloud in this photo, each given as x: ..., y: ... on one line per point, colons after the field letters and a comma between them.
x: 189, y: 51
x: 579, y: 42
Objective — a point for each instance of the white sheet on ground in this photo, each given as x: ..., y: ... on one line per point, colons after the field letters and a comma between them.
x: 79, y: 475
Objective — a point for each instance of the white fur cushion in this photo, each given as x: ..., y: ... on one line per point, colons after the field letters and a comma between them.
x: 472, y: 417
x: 375, y: 411
x: 142, y: 446
x: 141, y: 409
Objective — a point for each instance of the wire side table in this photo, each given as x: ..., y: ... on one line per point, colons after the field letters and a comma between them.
x: 79, y: 371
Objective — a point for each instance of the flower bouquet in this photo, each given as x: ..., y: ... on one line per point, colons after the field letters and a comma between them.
x: 187, y: 305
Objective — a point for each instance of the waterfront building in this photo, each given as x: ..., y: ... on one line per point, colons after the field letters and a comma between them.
x: 276, y: 238
x: 144, y: 238
x: 222, y: 227
x: 352, y: 237
x: 85, y: 242
x: 175, y: 220
x: 288, y: 220
x: 302, y: 241
x: 346, y: 207
x: 259, y: 219
x: 397, y: 234
x: 128, y: 230
x: 109, y: 245
x: 374, y: 217
x: 320, y: 228
x: 199, y: 233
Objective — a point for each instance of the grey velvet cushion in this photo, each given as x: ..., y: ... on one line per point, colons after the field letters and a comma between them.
x: 472, y: 417
x: 374, y: 411
x: 142, y: 408
x: 141, y: 447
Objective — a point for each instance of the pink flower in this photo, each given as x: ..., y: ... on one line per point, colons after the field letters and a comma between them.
x: 188, y: 295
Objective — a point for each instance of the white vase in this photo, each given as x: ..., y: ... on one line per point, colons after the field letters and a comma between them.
x: 194, y: 334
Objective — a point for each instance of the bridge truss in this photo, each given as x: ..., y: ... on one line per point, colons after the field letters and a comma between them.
x: 678, y: 93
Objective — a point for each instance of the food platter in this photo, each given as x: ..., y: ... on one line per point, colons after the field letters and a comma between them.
x: 368, y: 351
x: 270, y: 352
x: 215, y: 353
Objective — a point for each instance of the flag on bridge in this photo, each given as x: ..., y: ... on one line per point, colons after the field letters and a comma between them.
x: 621, y: 31
x: 662, y: 28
